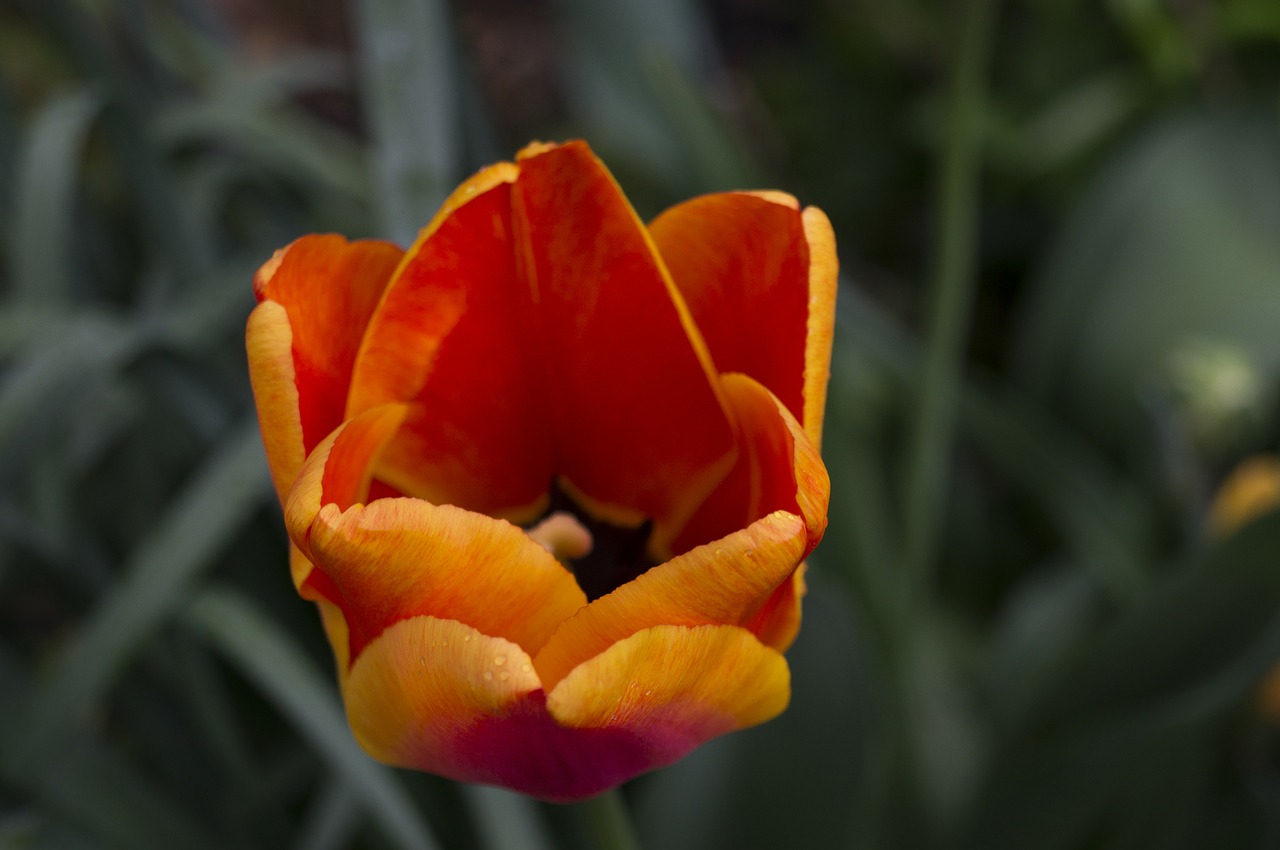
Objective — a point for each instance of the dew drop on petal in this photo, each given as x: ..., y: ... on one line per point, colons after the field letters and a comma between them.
x: 499, y: 660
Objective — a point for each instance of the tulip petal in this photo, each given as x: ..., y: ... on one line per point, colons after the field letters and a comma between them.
x: 422, y: 686
x: 338, y: 472
x: 431, y: 695
x: 269, y: 345
x: 759, y: 278
x: 638, y: 423
x: 725, y: 582
x: 453, y: 336
x: 317, y: 296
x: 778, y: 469
x: 777, y: 623
x: 399, y: 558
x: 674, y: 687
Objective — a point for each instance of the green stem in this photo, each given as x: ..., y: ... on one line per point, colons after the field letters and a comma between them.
x: 951, y: 296
x: 605, y: 823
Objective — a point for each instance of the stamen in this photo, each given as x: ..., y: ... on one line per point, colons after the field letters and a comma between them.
x: 563, y: 535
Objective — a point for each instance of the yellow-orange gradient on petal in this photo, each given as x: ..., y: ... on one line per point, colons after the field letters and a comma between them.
x: 551, y: 474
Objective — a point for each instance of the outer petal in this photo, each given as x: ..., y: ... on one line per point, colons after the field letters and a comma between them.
x: 453, y: 336
x: 672, y: 688
x: 759, y: 277
x: 421, y: 688
x: 269, y: 344
x: 637, y: 421
x: 401, y: 558
x: 722, y: 583
x: 777, y: 622
x: 317, y: 295
x: 778, y: 469
x: 337, y: 473
x: 429, y: 694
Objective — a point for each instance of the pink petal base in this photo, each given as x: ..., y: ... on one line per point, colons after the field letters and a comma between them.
x: 529, y: 752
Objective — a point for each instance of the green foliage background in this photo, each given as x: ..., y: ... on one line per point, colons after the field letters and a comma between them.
x: 1059, y: 226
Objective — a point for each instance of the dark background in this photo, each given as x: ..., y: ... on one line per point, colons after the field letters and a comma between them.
x: 1059, y: 330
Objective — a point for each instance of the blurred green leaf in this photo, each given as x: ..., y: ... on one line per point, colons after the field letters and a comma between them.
x: 84, y: 780
x: 43, y: 238
x: 229, y: 488
x: 631, y: 71
x: 50, y: 379
x: 284, y: 675
x: 332, y: 819
x: 1177, y: 240
x: 505, y: 820
x: 1097, y: 515
x: 283, y: 142
x: 1197, y: 644
x: 125, y: 125
x: 408, y: 77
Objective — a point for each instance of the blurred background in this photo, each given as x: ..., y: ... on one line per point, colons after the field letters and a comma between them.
x: 1047, y: 609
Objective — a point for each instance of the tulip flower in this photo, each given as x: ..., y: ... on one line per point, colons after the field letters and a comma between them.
x: 551, y: 475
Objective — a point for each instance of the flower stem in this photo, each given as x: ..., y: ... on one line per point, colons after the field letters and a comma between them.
x: 951, y: 296
x: 605, y: 823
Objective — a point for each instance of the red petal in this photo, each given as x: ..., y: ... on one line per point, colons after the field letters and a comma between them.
x: 452, y: 336
x: 637, y: 421
x: 329, y: 288
x: 759, y: 277
x: 778, y: 469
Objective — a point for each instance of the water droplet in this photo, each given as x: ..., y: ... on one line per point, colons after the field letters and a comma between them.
x: 649, y: 692
x: 444, y: 641
x: 504, y: 675
x: 488, y: 675
x: 499, y: 660
x: 526, y: 668
x: 466, y: 638
x: 719, y: 551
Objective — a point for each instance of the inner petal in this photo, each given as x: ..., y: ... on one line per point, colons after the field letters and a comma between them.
x: 637, y: 422
x: 453, y: 338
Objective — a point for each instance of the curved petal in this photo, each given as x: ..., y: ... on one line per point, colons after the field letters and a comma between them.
x: 759, y: 278
x: 675, y: 687
x: 823, y: 279
x: 338, y: 472
x: 399, y: 558
x: 431, y: 695
x: 638, y: 425
x: 269, y: 345
x: 421, y: 688
x: 721, y: 583
x: 777, y: 622
x: 453, y: 335
x: 323, y: 289
x: 778, y: 469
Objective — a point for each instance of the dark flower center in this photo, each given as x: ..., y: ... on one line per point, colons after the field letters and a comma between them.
x: 614, y: 554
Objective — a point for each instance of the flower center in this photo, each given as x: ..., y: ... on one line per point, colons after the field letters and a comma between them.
x: 601, y: 555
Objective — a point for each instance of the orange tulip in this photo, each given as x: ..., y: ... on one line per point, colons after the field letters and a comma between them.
x: 551, y: 475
